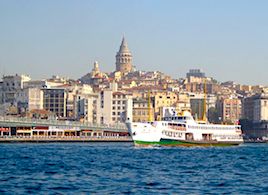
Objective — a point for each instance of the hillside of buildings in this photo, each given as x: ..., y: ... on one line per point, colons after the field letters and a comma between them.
x: 130, y: 94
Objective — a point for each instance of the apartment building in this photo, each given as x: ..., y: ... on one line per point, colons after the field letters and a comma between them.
x: 114, y: 106
x: 255, y: 108
x: 229, y: 109
x: 55, y: 100
x: 142, y: 110
x: 10, y: 86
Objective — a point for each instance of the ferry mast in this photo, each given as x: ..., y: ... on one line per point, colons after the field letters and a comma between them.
x: 204, y: 118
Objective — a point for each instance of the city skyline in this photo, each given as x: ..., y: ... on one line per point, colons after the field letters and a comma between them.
x: 227, y: 40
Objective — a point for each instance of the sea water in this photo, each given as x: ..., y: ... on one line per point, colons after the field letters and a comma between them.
x: 118, y: 168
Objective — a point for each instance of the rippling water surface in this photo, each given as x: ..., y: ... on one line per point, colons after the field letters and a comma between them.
x: 113, y: 168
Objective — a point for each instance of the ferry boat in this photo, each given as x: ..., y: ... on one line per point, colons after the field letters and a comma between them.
x: 184, y: 131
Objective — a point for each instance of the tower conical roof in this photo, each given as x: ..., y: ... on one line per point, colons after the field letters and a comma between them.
x: 123, y: 46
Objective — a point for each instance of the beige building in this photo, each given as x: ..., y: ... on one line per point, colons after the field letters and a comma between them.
x: 163, y: 99
x: 28, y: 99
x: 183, y: 103
x: 35, y: 99
x: 142, y: 110
x: 229, y: 109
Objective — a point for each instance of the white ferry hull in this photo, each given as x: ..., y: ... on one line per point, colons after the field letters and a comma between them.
x: 152, y: 134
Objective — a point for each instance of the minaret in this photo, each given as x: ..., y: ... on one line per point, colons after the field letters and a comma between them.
x: 96, y: 67
x: 124, y: 58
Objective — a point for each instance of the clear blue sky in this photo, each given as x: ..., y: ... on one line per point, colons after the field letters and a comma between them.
x: 228, y: 39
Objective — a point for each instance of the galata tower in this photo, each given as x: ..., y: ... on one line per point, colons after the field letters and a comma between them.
x: 123, y: 58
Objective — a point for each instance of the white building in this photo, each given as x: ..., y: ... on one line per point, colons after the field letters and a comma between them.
x: 10, y: 86
x: 29, y: 99
x: 114, y: 106
x: 87, y: 107
x: 255, y: 108
x: 260, y: 112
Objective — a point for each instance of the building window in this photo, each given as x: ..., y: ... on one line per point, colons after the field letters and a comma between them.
x: 113, y: 102
x: 113, y: 113
x: 118, y: 102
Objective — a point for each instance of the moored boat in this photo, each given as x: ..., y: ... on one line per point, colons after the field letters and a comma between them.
x: 184, y: 131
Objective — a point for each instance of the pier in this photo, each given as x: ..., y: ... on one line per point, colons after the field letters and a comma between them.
x: 14, y: 129
x: 7, y: 121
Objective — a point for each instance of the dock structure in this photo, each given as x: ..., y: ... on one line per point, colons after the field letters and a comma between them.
x: 26, y: 122
x: 14, y: 129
